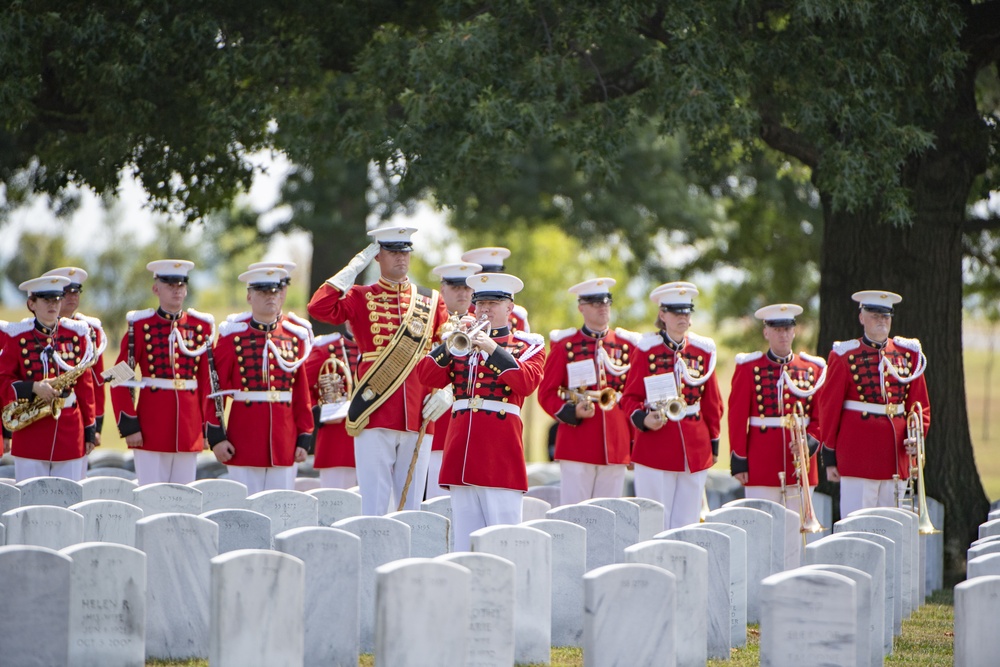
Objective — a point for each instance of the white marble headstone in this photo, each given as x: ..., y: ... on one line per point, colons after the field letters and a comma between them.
x: 108, y: 488
x: 784, y: 531
x: 719, y: 579
x: 985, y: 529
x: 429, y: 532
x: 651, y: 515
x: 823, y: 507
x: 178, y: 549
x: 631, y: 616
x: 982, y: 566
x: 307, y: 483
x: 382, y: 541
x: 221, y: 494
x: 530, y: 550
x: 422, y: 611
x: 550, y: 494
x: 257, y: 607
x: 626, y: 522
x: 977, y: 607
x: 10, y: 498
x: 738, y: 578
x: 932, y: 550
x: 869, y: 638
x: 757, y: 525
x: 533, y: 508
x: 43, y: 526
x: 491, y: 608
x: 911, y: 546
x: 56, y: 491
x: 34, y: 607
x: 241, y: 529
x: 808, y: 617
x: 286, y: 509
x: 107, y: 612
x: 441, y: 505
x: 332, y: 559
x: 894, y: 530
x: 108, y: 520
x: 689, y: 563
x: 166, y: 497
x: 983, y: 549
x: 569, y: 563
x: 336, y: 504
x: 600, y: 525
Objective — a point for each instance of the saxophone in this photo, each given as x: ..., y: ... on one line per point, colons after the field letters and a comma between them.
x: 24, y: 412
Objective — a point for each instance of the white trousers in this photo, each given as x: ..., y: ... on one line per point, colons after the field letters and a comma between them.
x: 858, y: 493
x: 338, y: 478
x: 157, y: 467
x: 475, y: 507
x: 583, y: 481
x: 434, y: 489
x: 383, y: 459
x: 679, y: 492
x: 264, y: 479
x: 27, y: 468
x: 773, y: 493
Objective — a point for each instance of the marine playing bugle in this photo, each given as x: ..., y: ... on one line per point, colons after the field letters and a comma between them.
x: 605, y: 399
x: 459, y: 342
x: 673, y: 408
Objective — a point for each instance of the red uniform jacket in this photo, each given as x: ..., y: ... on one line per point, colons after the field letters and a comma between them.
x: 763, y: 450
x: 100, y: 341
x: 170, y: 418
x: 23, y: 362
x: 484, y: 445
x: 863, y: 444
x: 606, y: 437
x: 334, y: 447
x: 693, y: 438
x: 3, y: 342
x: 374, y: 312
x: 265, y: 433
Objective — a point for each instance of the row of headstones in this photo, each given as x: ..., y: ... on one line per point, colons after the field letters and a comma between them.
x: 977, y: 599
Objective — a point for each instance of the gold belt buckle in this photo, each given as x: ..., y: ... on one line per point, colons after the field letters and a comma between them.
x: 891, y: 409
x: 476, y: 402
x: 180, y: 384
x: 273, y: 396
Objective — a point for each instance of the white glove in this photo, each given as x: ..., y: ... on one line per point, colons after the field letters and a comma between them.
x: 437, y: 403
x: 345, y: 277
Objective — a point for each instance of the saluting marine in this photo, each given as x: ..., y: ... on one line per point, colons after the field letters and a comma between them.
x: 585, y: 374
x: 672, y: 397
x: 160, y: 415
x: 47, y: 386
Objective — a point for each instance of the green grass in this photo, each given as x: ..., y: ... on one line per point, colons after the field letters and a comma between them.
x: 927, y: 639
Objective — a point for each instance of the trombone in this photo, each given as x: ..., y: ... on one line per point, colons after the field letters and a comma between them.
x: 606, y: 398
x: 795, y: 423
x: 915, y: 494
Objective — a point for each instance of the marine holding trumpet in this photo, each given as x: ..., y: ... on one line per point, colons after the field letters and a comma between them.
x: 585, y: 374
x: 491, y: 371
x: 770, y: 390
x: 873, y: 383
x: 47, y: 388
x: 672, y: 398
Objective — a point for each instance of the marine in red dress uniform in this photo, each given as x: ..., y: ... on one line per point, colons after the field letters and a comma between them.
x: 592, y: 444
x: 483, y: 460
x: 672, y: 457
x: 37, y: 351
x: 3, y: 342
x: 334, y: 446
x: 872, y: 384
x: 491, y: 261
x: 162, y: 422
x: 261, y: 365
x: 766, y: 388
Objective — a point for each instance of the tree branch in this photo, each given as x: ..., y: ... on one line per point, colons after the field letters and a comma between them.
x: 981, y: 34
x: 783, y: 139
x: 976, y: 225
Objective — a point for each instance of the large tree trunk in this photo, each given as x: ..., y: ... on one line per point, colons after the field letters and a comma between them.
x: 923, y: 263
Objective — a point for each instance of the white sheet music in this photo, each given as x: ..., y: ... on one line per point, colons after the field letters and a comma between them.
x: 118, y: 374
x: 660, y: 387
x: 581, y: 374
x: 334, y: 412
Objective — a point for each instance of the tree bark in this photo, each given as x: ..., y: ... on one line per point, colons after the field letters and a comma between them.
x: 923, y: 263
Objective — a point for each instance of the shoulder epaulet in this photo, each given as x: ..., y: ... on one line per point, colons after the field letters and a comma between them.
x: 630, y: 336
x: 136, y: 315
x: 92, y: 321
x: 530, y: 338
x: 819, y: 361
x: 299, y: 331
x: 650, y: 340
x: 301, y: 321
x: 208, y: 317
x: 840, y: 347
x: 747, y: 357
x: 18, y: 328
x: 704, y: 342
x: 229, y: 327
x: 239, y: 317
x: 80, y: 328
x: 557, y: 335
x: 520, y: 311
x: 908, y: 343
x: 326, y: 339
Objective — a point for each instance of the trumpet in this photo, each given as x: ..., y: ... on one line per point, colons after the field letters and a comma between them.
x: 459, y: 342
x: 796, y: 425
x: 335, y: 383
x: 673, y: 408
x: 606, y: 398
x: 915, y: 495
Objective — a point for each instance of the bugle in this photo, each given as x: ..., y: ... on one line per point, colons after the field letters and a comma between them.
x: 795, y: 424
x: 459, y: 342
x: 605, y: 398
x: 915, y: 494
x: 673, y: 408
